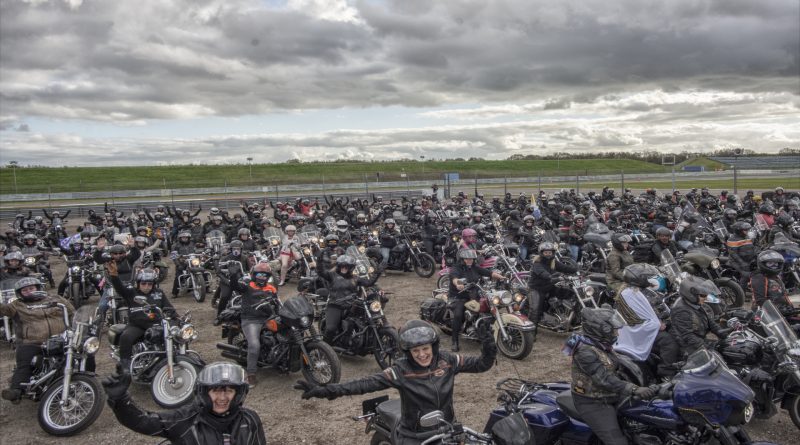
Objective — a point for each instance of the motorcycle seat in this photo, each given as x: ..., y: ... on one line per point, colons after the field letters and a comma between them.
x: 390, y: 411
x: 565, y: 402
x: 598, y: 277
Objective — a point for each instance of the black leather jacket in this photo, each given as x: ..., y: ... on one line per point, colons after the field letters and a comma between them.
x: 137, y: 316
x: 190, y: 424
x: 422, y: 390
x: 541, y: 272
x: 342, y: 289
x: 689, y: 324
x: 594, y: 374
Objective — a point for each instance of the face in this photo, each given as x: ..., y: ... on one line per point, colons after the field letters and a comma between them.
x: 145, y: 286
x: 118, y: 256
x: 664, y: 238
x: 423, y: 355
x: 27, y: 291
x: 547, y: 254
x: 469, y: 262
x: 221, y: 399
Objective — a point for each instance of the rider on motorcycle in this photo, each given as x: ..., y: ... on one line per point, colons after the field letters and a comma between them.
x: 691, y: 319
x: 546, y: 270
x: 325, y: 256
x: 388, y: 239
x: 663, y: 241
x: 576, y: 232
x: 138, y: 321
x: 766, y: 284
x: 230, y: 272
x: 216, y: 417
x: 618, y: 259
x: 595, y: 386
x: 425, y: 378
x: 36, y: 319
x: 527, y: 236
x: 184, y: 246
x: 465, y: 269
x: 742, y: 251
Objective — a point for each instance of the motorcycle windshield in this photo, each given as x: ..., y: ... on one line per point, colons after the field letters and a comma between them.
x: 84, y: 314
x: 330, y: 224
x: 775, y: 325
x: 362, y: 262
x: 551, y: 236
x: 7, y: 290
x: 720, y: 230
x: 598, y: 227
x: 295, y: 308
x: 668, y: 265
x: 789, y: 249
x: 761, y: 223
x: 215, y: 239
x: 273, y: 235
x: 309, y: 237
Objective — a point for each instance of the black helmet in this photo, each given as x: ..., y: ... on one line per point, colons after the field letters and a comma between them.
x: 236, y: 247
x: 261, y: 273
x: 766, y: 207
x: 146, y: 276
x: 547, y: 246
x: 784, y: 220
x: 417, y: 333
x: 663, y: 231
x: 641, y: 275
x: 770, y: 262
x: 389, y: 221
x: 219, y: 375
x: 599, y: 323
x: 741, y: 226
x: 347, y: 262
x: 29, y: 237
x: 529, y: 218
x: 730, y: 214
x: 243, y: 231
x: 693, y: 287
x: 27, y: 282
x: 618, y: 238
x: 185, y: 234
x: 332, y: 240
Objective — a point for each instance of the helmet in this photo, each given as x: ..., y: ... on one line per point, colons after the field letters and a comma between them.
x: 146, y: 276
x: 599, y: 323
x: 777, y: 190
x: 766, y: 207
x: 38, y: 219
x: 389, y: 221
x: 117, y: 248
x: 144, y: 228
x: 27, y: 282
x: 465, y: 254
x: 185, y: 234
x: 218, y: 375
x: 290, y: 228
x: 784, y: 220
x: 514, y: 214
x: 618, y: 238
x: 417, y: 333
x: 693, y: 287
x: 528, y: 218
x: 547, y: 247
x: 641, y: 275
x: 261, y: 273
x: 14, y: 255
x: 214, y: 211
x: 243, y: 231
x: 361, y: 217
x: 770, y: 262
x: 741, y: 226
x: 140, y: 239
x: 579, y: 216
x: 331, y: 240
x: 29, y: 237
x: 347, y: 262
x: 663, y: 231
x: 730, y: 214
x: 468, y: 232
x: 342, y: 225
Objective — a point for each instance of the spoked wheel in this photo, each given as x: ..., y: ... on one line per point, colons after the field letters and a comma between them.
x: 83, y: 406
x: 322, y: 365
x: 391, y: 351
x: 199, y: 288
x: 172, y: 394
x: 731, y: 294
x: 518, y: 344
x: 443, y: 281
x: 794, y: 410
x: 425, y: 265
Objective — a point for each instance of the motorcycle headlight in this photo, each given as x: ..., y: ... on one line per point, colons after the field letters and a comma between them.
x: 748, y: 412
x: 609, y: 245
x: 362, y: 249
x: 455, y: 239
x: 30, y: 261
x: 305, y: 321
x: 375, y: 306
x: 195, y: 262
x: 314, y: 239
x: 186, y: 333
x: 91, y: 345
x: 519, y: 297
x: 715, y: 263
x: 307, y: 251
x: 589, y: 291
x: 371, y: 269
x: 274, y: 242
x: 413, y: 244
x: 75, y: 269
x: 512, y: 261
x: 374, y: 233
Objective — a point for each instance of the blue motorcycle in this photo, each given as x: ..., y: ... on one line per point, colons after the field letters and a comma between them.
x: 705, y: 402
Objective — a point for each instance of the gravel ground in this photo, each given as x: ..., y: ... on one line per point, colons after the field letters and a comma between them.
x: 290, y: 420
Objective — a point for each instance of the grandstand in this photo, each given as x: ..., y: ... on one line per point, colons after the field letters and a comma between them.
x: 760, y: 162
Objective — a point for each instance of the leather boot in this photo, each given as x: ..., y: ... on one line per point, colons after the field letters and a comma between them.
x: 251, y: 380
x: 455, y: 347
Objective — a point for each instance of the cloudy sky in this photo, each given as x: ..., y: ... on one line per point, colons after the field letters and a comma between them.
x: 146, y: 82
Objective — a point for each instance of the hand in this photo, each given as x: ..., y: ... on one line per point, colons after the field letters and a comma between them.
x: 310, y: 390
x: 644, y: 393
x: 111, y: 268
x: 116, y: 385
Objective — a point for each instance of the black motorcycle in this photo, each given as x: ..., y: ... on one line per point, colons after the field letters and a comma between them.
x: 289, y: 342
x: 78, y: 280
x: 408, y: 254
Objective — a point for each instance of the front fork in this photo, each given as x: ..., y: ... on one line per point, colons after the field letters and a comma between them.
x: 68, y: 369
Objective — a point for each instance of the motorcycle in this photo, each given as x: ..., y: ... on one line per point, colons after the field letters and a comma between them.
x: 791, y: 266
x: 38, y: 263
x: 705, y: 263
x: 69, y: 396
x: 162, y: 357
x: 215, y: 240
x: 383, y: 415
x: 289, y: 342
x: 7, y: 295
x: 78, y: 282
x: 408, y: 254
x: 769, y: 351
x: 152, y: 259
x: 596, y: 248
x: 272, y: 238
x: 572, y: 293
x: 193, y: 276
x: 704, y: 403
x: 513, y: 331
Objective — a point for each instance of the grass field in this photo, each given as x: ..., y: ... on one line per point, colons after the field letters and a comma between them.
x: 710, y: 165
x: 77, y: 179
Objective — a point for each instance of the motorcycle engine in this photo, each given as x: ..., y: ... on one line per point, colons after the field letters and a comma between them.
x: 143, y: 361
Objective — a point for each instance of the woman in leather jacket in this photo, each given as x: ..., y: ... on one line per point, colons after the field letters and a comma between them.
x: 343, y: 287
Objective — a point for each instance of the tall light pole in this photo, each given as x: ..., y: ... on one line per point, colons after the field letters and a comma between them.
x: 13, y: 165
x: 423, y: 165
x: 736, y: 153
x: 250, y: 163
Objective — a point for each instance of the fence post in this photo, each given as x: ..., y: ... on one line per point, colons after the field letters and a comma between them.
x: 49, y: 201
x: 577, y: 184
x: 172, y: 196
x: 112, y: 193
x: 277, y: 195
x: 226, y: 193
x: 476, y: 182
x: 505, y: 185
x: 323, y: 185
x: 366, y: 185
x: 622, y: 175
x: 540, y: 182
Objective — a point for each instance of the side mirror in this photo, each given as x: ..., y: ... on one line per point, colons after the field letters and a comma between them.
x: 431, y: 419
x: 140, y: 299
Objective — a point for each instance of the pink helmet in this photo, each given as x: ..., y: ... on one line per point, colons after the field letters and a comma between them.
x: 468, y: 232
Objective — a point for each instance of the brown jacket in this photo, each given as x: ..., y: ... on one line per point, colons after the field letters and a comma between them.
x: 35, y: 322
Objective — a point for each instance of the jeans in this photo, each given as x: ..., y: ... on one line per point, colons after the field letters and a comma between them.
x: 385, y: 252
x: 574, y: 251
x: 22, y: 372
x: 523, y: 252
x: 252, y: 332
x: 458, y: 308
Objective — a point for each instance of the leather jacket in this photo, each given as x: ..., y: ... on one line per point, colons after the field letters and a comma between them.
x: 343, y: 289
x: 594, y: 374
x: 689, y: 324
x: 136, y: 314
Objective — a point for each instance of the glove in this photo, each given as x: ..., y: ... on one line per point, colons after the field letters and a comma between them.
x: 485, y: 331
x: 116, y: 385
x: 644, y: 392
x: 723, y: 333
x: 310, y: 391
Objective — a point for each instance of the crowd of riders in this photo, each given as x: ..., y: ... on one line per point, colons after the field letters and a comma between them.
x: 550, y: 238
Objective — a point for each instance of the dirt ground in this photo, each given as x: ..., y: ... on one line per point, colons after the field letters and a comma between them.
x: 290, y: 420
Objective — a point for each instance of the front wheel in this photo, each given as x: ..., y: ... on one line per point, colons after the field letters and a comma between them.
x: 794, y: 409
x: 732, y: 294
x: 199, y: 288
x: 322, y: 365
x: 83, y: 406
x: 425, y: 265
x: 518, y: 345
x: 443, y: 281
x: 391, y: 351
x: 162, y: 274
x: 177, y: 392
x: 75, y: 295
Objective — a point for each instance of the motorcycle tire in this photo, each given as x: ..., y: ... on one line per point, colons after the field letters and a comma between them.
x: 425, y: 266
x: 443, y: 281
x: 75, y: 295
x: 322, y: 366
x: 199, y: 289
x: 380, y: 439
x: 168, y: 395
x: 391, y: 347
x: 793, y: 406
x: 519, y: 344
x: 162, y: 274
x: 732, y: 294
x: 92, y: 398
